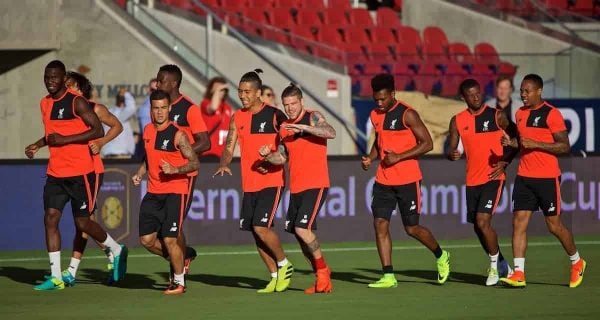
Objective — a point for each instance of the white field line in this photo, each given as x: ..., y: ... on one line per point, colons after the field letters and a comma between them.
x: 349, y: 249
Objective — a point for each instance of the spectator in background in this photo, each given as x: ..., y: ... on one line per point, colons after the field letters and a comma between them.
x: 505, y: 97
x: 216, y: 113
x: 143, y: 115
x: 123, y: 146
x: 268, y: 96
x: 376, y: 4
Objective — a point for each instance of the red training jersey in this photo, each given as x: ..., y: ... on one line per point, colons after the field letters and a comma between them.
x: 307, y: 157
x: 161, y: 146
x: 255, y: 130
x: 187, y: 116
x: 539, y: 124
x: 480, y: 135
x: 59, y: 116
x: 393, y: 134
x: 217, y: 124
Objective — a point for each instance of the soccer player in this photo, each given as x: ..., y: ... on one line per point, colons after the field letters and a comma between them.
x: 187, y: 116
x: 69, y: 126
x: 542, y: 136
x: 480, y: 129
x: 304, y: 136
x: 255, y: 125
x: 401, y: 137
x: 169, y: 159
x: 82, y: 86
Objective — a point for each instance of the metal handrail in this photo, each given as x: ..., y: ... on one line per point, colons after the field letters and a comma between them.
x: 177, y: 45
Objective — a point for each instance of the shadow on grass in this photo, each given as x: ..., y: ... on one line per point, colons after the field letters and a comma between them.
x: 230, y: 281
x: 84, y: 276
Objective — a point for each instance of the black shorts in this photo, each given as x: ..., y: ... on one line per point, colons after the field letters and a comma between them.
x: 531, y: 194
x: 483, y: 198
x: 406, y: 197
x: 81, y: 191
x: 258, y: 208
x: 162, y: 213
x: 304, y: 208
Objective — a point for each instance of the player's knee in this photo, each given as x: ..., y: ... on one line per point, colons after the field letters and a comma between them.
x: 411, y: 230
x: 381, y: 225
x: 51, y: 217
x: 554, y: 225
x: 260, y: 231
x: 410, y: 220
x: 147, y: 241
x: 483, y: 222
x: 82, y: 224
x: 302, y: 233
x: 171, y: 242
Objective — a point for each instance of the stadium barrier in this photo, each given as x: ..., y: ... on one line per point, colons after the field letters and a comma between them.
x: 214, y: 214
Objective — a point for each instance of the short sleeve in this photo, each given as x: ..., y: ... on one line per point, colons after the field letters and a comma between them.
x: 195, y: 120
x: 556, y: 122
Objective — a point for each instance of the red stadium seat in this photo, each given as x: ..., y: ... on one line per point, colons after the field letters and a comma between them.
x: 505, y: 5
x: 262, y: 4
x: 254, y: 20
x: 460, y: 53
x: 281, y: 18
x: 302, y: 38
x: 373, y: 68
x: 365, y: 86
x: 330, y: 35
x: 426, y: 78
x: 483, y: 74
x: 584, y: 7
x: 407, y: 53
x: 398, y: 5
x: 383, y: 35
x: 335, y: 17
x: 379, y: 52
x: 181, y: 4
x: 507, y: 69
x: 360, y: 17
x: 339, y: 4
x: 233, y: 19
x: 409, y: 35
x: 434, y: 53
x: 287, y: 3
x: 454, y: 75
x: 486, y: 53
x: 435, y: 35
x: 308, y: 17
x: 233, y: 6
x: 121, y: 3
x: 312, y: 4
x: 354, y: 54
x: 356, y: 34
x: 387, y: 17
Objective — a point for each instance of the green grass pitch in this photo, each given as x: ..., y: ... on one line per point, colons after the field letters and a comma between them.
x: 223, y: 281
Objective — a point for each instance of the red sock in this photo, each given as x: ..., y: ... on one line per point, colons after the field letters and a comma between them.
x: 320, y: 263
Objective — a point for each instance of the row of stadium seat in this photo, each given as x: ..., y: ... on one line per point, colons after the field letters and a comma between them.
x: 557, y: 8
x: 367, y: 46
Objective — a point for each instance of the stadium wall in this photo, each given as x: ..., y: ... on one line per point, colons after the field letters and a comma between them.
x: 573, y: 77
x: 230, y: 57
x: 29, y: 24
x: 214, y: 214
x: 90, y: 38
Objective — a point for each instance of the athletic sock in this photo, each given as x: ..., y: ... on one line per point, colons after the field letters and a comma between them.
x: 320, y: 263
x: 574, y: 258
x: 500, y: 256
x: 180, y: 279
x: 282, y: 262
x: 109, y: 255
x: 520, y: 264
x: 110, y: 243
x: 494, y: 261
x: 438, y: 252
x: 274, y: 275
x: 388, y: 269
x: 55, y: 264
x: 73, y: 265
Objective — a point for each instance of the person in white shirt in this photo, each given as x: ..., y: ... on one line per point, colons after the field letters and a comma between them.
x: 123, y: 146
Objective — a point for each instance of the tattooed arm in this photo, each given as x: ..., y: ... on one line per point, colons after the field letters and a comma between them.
x: 185, y: 147
x: 278, y: 157
x: 227, y: 155
x: 318, y: 126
